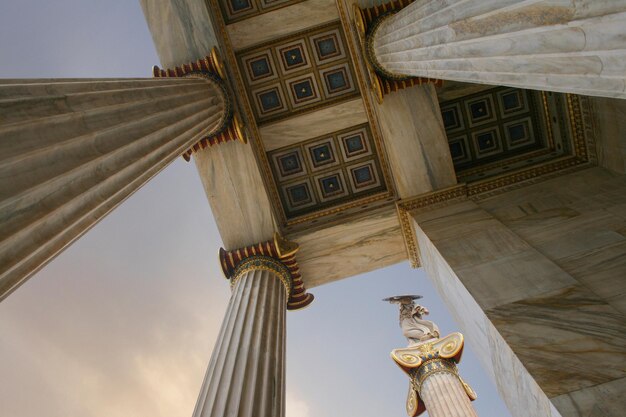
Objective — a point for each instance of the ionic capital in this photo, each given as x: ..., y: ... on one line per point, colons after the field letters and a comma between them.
x: 211, y: 68
x: 367, y: 22
x: 278, y: 256
x: 423, y: 360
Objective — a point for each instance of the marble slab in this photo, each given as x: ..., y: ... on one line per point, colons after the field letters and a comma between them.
x: 551, y: 286
x: 181, y: 30
x: 578, y: 221
x: 281, y: 22
x: 610, y: 117
x: 310, y: 125
x: 520, y: 392
x: 354, y: 246
x: 603, y: 400
x: 238, y: 198
x: 417, y: 146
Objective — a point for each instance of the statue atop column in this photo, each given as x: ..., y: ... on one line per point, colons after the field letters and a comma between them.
x: 430, y: 363
x: 414, y: 327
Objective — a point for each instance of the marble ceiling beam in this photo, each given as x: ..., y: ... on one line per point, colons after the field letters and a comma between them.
x: 350, y: 247
x: 281, y: 22
x: 554, y: 45
x: 416, y: 141
x: 71, y: 150
x: 297, y: 129
x: 535, y: 278
x: 182, y: 31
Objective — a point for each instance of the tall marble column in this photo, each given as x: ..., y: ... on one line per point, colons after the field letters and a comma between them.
x: 556, y: 45
x: 246, y: 374
x: 71, y: 150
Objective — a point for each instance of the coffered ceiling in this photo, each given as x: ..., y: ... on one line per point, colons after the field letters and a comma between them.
x: 496, y: 130
x: 317, y: 147
x: 299, y: 73
x: 235, y: 10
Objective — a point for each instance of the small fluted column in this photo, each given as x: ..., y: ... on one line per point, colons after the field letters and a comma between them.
x: 246, y: 374
x: 71, y: 150
x: 435, y: 384
x: 566, y: 46
x: 442, y: 390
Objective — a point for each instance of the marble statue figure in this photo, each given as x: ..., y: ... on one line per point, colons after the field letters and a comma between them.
x: 414, y: 327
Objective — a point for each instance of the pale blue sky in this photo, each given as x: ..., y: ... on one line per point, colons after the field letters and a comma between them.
x: 123, y: 322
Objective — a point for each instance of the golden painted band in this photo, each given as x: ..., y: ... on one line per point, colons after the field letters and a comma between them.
x: 431, y: 367
x: 263, y: 263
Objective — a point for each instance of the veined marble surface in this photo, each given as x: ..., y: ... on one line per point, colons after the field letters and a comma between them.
x: 310, y: 125
x: 412, y: 128
x: 181, y: 30
x: 520, y: 392
x: 545, y: 265
x: 281, y: 22
x: 234, y: 186
x: 355, y: 246
x: 570, y: 339
x: 598, y: 401
x: 610, y: 115
x: 578, y: 221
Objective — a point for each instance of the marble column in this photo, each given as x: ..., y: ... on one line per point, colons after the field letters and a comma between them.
x: 444, y: 395
x: 71, y: 150
x: 246, y: 374
x: 556, y: 45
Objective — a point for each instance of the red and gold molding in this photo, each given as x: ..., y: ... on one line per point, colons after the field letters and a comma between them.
x: 210, y: 67
x: 279, y: 249
x: 382, y: 81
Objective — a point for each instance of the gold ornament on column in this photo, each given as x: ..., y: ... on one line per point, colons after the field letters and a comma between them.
x: 427, y: 354
x: 211, y: 67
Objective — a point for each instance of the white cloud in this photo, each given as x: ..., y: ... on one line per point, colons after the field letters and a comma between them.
x: 296, y: 407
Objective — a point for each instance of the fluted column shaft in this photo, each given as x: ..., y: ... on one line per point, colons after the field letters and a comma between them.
x: 444, y: 396
x: 573, y: 46
x: 246, y: 374
x: 71, y: 150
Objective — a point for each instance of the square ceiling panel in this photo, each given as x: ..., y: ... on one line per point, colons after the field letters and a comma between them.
x: 327, y: 171
x: 491, y: 126
x: 312, y: 69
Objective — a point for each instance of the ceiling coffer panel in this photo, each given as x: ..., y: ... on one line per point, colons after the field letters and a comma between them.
x: 327, y: 171
x: 236, y: 10
x: 302, y: 72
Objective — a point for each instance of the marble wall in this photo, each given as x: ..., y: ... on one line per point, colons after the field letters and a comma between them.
x: 536, y: 277
x: 415, y: 140
x: 610, y: 117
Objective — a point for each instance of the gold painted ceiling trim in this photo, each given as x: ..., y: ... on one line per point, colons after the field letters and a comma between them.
x: 476, y: 191
x: 581, y: 125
